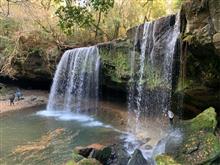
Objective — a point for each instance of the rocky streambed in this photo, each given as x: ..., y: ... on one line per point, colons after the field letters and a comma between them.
x: 198, y: 144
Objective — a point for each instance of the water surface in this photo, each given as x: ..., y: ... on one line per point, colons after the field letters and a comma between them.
x: 34, y: 127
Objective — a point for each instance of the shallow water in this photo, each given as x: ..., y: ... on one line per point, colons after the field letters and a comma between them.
x: 36, y: 136
x: 29, y: 126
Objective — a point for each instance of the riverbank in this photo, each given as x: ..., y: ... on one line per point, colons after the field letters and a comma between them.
x: 30, y: 98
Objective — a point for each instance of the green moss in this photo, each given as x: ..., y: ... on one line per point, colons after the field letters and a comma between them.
x: 188, y: 38
x: 104, y: 154
x: 200, y: 145
x: 165, y: 160
x: 71, y: 162
x: 199, y: 148
x: 76, y: 157
x: 116, y: 64
x: 88, y: 162
x: 204, y: 121
x: 154, y: 79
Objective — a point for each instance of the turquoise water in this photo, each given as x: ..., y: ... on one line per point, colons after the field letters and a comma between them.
x: 31, y: 126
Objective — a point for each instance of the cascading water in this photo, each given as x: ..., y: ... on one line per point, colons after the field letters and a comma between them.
x: 75, y: 84
x: 151, y: 73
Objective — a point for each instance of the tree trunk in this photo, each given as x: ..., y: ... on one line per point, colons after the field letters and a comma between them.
x: 97, y: 26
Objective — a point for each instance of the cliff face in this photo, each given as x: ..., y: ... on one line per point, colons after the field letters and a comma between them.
x: 199, y: 79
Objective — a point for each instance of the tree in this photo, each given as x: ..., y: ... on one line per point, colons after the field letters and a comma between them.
x: 83, y: 15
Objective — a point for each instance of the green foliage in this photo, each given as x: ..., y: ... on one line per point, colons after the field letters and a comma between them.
x: 153, y: 78
x: 158, y: 9
x: 74, y: 15
x: 16, y: 51
x: 177, y: 3
x: 103, y: 6
x: 82, y: 16
x: 116, y: 64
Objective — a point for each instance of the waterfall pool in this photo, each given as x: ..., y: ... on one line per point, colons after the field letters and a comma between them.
x: 37, y: 136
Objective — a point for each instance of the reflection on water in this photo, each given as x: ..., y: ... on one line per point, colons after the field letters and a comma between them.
x: 36, y: 136
x: 28, y: 137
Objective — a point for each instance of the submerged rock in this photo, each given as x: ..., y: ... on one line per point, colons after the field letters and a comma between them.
x: 137, y: 159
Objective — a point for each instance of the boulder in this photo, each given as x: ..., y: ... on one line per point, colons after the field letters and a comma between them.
x: 199, y: 144
x: 199, y: 148
x: 112, y: 155
x: 84, y: 151
x: 205, y: 121
x: 137, y: 159
x: 108, y: 155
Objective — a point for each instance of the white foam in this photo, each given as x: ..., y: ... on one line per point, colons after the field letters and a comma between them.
x: 94, y: 124
x: 65, y: 115
x: 70, y: 116
x: 98, y: 124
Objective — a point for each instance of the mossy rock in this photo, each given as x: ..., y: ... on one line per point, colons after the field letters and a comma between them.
x: 115, y: 62
x: 88, y: 162
x: 71, y: 162
x: 199, y: 148
x: 165, y: 160
x: 76, y: 157
x: 199, y: 144
x: 205, y: 121
x: 83, y: 161
x: 103, y: 155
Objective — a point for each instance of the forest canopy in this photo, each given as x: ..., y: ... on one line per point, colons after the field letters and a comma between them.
x: 107, y: 19
x: 45, y: 26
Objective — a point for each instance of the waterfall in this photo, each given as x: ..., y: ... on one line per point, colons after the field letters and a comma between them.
x: 151, y: 70
x: 76, y: 81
